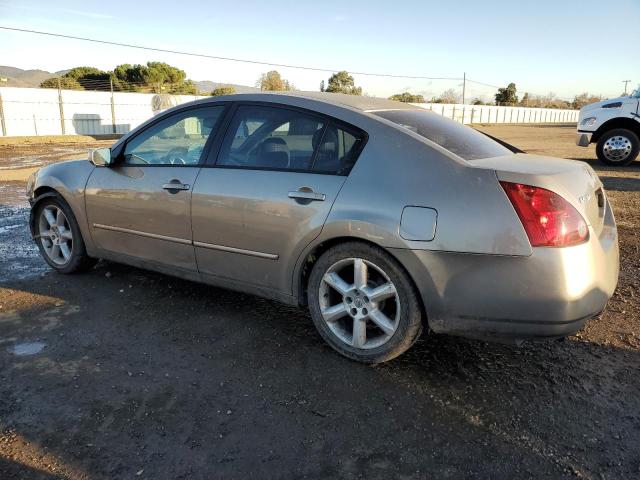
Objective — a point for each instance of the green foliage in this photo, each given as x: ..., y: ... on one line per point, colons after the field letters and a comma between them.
x: 322, y: 87
x: 64, y: 83
x: 477, y: 101
x: 157, y: 77
x: 407, y: 97
x: 129, y: 77
x: 223, y: 90
x: 272, y: 81
x: 342, y: 82
x: 507, y: 96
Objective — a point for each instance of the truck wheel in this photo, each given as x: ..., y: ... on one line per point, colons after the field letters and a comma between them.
x: 618, y: 147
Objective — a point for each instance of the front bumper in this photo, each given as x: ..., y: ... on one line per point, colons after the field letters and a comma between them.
x: 583, y: 139
x: 549, y: 294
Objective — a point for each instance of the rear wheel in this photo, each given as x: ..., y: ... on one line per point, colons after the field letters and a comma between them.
x: 363, y: 303
x: 58, y: 236
x: 618, y: 147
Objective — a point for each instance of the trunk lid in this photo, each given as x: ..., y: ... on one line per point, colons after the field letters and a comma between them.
x: 575, y: 181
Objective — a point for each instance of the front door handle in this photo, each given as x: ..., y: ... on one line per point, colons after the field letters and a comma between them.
x: 305, y: 195
x: 174, y: 186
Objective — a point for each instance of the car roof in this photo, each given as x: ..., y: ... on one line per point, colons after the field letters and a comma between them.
x: 357, y: 102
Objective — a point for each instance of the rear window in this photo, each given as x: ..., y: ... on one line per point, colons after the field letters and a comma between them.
x: 465, y: 142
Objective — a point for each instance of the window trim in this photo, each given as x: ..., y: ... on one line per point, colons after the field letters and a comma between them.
x: 120, y: 158
x: 328, y: 120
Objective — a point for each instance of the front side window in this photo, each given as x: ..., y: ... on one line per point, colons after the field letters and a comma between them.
x: 463, y: 141
x: 177, y: 140
x: 282, y: 139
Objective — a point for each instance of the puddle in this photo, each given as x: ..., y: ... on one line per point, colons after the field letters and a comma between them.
x: 27, y: 348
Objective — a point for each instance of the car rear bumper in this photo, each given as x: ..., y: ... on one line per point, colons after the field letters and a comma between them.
x: 583, y: 139
x: 549, y: 294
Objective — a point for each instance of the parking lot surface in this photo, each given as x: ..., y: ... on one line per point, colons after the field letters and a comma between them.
x: 122, y: 373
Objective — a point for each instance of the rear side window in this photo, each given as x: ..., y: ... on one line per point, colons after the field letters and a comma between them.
x: 463, y: 141
x: 274, y: 138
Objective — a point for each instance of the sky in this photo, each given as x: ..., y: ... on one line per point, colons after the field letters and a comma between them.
x: 562, y: 46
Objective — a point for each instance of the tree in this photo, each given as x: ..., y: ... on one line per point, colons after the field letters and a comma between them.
x: 223, y: 90
x: 407, y: 97
x: 477, y: 101
x: 129, y: 77
x: 583, y: 99
x: 507, y: 96
x: 342, y: 82
x: 526, y: 101
x: 322, y: 86
x: 162, y: 76
x: 64, y: 82
x: 449, y: 96
x: 272, y: 81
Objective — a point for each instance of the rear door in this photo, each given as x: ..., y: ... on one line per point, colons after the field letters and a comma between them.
x: 276, y: 177
x: 140, y: 206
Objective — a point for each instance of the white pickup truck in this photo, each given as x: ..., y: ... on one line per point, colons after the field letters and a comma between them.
x: 614, y: 126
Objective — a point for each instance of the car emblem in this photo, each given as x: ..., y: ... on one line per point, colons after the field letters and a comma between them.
x: 584, y: 198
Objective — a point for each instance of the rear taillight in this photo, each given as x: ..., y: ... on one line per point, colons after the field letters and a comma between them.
x: 548, y: 219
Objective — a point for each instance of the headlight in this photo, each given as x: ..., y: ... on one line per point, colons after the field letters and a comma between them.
x: 588, y: 122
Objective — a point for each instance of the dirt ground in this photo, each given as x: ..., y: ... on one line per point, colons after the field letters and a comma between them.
x: 122, y: 373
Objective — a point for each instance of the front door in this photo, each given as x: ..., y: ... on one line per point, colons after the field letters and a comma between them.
x: 140, y: 206
x: 276, y: 177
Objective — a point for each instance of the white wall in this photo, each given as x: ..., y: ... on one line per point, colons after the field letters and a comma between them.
x: 493, y: 114
x: 36, y: 111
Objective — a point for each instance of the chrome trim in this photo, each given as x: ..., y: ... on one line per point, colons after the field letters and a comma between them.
x: 302, y: 195
x: 241, y: 251
x: 183, y: 241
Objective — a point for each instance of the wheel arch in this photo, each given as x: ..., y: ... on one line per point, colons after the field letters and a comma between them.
x: 618, y: 122
x: 40, y: 194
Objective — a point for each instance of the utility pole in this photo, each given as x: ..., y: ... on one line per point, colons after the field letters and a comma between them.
x: 625, y: 85
x: 61, y: 107
x: 464, y: 86
x: 113, y: 107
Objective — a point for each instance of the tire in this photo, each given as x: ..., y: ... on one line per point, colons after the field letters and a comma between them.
x: 389, y: 316
x: 65, y: 232
x: 627, y: 144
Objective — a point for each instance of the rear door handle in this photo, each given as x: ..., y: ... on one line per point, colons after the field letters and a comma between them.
x: 312, y: 196
x: 174, y: 186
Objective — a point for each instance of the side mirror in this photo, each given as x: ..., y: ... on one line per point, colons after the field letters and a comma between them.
x: 100, y: 157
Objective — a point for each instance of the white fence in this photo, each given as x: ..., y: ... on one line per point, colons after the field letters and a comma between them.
x: 43, y: 111
x: 493, y: 114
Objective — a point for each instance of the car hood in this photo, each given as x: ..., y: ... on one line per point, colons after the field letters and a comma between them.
x: 621, y: 100
x: 575, y: 181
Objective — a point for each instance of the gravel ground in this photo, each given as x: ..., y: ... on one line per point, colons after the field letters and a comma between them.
x: 122, y: 373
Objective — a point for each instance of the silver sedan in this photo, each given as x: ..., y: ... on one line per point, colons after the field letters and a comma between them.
x: 381, y: 217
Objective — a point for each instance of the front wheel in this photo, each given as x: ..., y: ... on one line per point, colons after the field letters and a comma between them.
x: 58, y: 237
x: 363, y: 303
x: 618, y: 147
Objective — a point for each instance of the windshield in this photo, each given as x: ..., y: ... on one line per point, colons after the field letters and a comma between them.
x: 463, y: 141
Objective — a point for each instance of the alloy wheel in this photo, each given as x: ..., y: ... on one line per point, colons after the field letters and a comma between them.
x: 359, y: 303
x: 55, y: 234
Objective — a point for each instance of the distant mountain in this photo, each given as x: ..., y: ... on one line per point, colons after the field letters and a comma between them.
x: 207, y: 86
x: 17, y: 77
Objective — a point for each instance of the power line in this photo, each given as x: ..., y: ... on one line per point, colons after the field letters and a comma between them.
x: 216, y: 57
